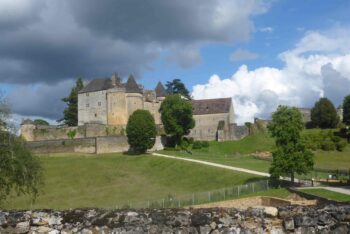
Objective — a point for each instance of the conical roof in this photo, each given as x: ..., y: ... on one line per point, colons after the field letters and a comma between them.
x: 160, y: 90
x: 131, y: 85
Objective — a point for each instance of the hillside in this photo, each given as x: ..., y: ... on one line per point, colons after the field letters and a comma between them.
x: 117, y: 180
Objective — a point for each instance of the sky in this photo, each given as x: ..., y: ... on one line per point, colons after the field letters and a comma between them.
x: 260, y: 53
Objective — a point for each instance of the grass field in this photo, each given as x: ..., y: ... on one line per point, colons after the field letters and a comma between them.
x: 328, y: 194
x: 115, y: 180
x: 238, y: 153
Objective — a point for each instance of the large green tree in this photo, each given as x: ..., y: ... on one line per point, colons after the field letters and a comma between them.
x: 141, y: 131
x: 177, y: 87
x: 346, y: 110
x: 20, y: 171
x: 324, y: 114
x: 177, y: 116
x: 70, y: 114
x: 291, y: 156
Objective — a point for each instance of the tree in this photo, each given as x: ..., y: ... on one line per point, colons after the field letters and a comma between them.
x: 177, y: 87
x: 70, y: 114
x: 291, y: 155
x: 177, y: 117
x: 346, y: 110
x: 20, y: 171
x: 324, y: 114
x: 41, y: 122
x: 141, y: 131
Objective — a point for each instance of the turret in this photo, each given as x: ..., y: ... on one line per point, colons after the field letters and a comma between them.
x: 133, y: 95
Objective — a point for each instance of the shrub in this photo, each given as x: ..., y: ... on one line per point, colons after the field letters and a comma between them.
x: 71, y: 133
x: 205, y: 144
x: 341, y: 145
x: 328, y: 145
x: 197, y: 145
x: 141, y: 131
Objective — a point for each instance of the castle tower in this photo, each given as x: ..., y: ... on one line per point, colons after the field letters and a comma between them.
x: 27, y: 130
x: 134, y: 97
x: 160, y: 91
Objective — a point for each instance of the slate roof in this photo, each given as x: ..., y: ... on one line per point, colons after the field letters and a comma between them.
x: 131, y: 86
x: 211, y: 106
x: 97, y: 85
x: 160, y: 90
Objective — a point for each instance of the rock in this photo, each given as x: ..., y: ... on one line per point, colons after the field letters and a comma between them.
x: 41, y: 229
x: 226, y: 220
x: 205, y: 229
x: 3, y: 220
x: 325, y: 219
x: 288, y: 224
x: 22, y: 227
x: 271, y: 211
x: 306, y: 230
x: 213, y: 225
x: 340, y: 229
x: 199, y: 219
x: 304, y: 221
x: 54, y: 232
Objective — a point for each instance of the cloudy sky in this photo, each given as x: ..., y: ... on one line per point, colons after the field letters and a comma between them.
x: 260, y: 53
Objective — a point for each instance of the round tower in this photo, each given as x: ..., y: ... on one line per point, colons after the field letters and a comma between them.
x: 134, y: 97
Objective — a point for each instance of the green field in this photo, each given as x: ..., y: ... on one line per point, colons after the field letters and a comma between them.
x: 238, y: 153
x: 328, y: 194
x: 116, y: 180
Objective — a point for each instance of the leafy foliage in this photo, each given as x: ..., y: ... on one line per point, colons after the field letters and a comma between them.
x: 70, y: 114
x: 346, y: 110
x: 325, y: 140
x: 19, y: 170
x: 291, y: 155
x: 141, y: 131
x: 177, y: 87
x: 324, y: 114
x: 41, y: 122
x: 71, y: 133
x: 177, y: 117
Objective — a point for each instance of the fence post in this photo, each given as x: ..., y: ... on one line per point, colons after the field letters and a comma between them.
x: 192, y: 198
x: 253, y: 187
x: 148, y: 204
x: 224, y: 194
x: 163, y: 202
x: 238, y: 190
x: 209, y: 196
x: 267, y: 184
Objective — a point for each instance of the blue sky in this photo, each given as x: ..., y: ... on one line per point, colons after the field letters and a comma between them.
x: 260, y: 53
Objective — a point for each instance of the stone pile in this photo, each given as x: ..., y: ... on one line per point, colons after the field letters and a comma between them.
x: 289, y: 219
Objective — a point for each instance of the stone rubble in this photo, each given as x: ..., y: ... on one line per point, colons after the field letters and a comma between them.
x: 287, y: 219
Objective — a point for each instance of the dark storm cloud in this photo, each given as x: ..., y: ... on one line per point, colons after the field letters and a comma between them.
x: 45, y: 43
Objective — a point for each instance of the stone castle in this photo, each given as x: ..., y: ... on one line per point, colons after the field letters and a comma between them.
x: 110, y: 102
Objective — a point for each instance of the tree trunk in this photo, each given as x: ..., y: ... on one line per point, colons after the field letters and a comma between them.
x: 292, y: 177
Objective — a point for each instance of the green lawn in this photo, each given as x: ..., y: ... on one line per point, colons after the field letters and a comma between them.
x: 115, y: 180
x: 328, y: 194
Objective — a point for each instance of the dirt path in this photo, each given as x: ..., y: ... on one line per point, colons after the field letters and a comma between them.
x: 343, y: 190
x: 214, y: 165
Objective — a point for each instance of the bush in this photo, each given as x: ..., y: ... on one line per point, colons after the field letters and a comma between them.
x: 328, y: 145
x: 197, y: 145
x: 141, y: 131
x: 205, y: 144
x: 341, y: 145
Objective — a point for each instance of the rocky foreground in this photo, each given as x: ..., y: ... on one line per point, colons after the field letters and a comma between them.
x: 290, y: 219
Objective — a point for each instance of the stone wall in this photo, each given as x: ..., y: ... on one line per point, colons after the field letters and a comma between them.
x: 238, y: 132
x: 83, y: 145
x: 92, y: 107
x: 284, y: 219
x: 91, y: 145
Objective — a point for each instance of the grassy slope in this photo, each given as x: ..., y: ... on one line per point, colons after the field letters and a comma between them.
x: 328, y: 194
x: 236, y: 153
x: 110, y: 180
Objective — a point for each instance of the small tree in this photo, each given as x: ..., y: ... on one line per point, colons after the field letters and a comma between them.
x: 177, y: 117
x: 177, y: 87
x: 141, y: 131
x: 324, y: 114
x: 20, y: 171
x: 70, y: 114
x: 291, y: 155
x: 346, y: 110
x: 41, y: 122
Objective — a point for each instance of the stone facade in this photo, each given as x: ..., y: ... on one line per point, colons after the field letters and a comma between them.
x: 111, y: 102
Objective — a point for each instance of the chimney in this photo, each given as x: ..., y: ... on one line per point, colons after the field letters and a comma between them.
x: 115, y: 79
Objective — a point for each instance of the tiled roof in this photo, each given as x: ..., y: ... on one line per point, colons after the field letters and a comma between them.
x: 131, y: 86
x: 97, y: 85
x: 211, y: 106
x: 160, y: 90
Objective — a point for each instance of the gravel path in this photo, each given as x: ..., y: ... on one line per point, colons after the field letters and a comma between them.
x: 343, y: 190
x: 214, y: 165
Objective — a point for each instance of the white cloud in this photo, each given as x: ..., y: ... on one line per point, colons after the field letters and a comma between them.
x: 241, y: 54
x: 316, y: 67
x: 266, y: 29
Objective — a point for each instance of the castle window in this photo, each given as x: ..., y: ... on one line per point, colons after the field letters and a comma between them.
x: 95, y: 115
x: 87, y: 105
x: 99, y: 103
